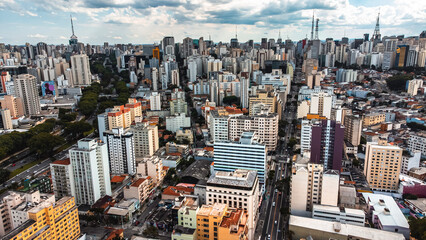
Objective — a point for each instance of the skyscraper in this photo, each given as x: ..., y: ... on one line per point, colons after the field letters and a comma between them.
x: 382, y: 166
x: 401, y: 55
x: 80, y: 68
x: 26, y: 89
x: 353, y: 127
x: 188, y: 45
x: 146, y: 139
x: 244, y: 99
x: 327, y: 144
x: 90, y: 165
x: 247, y: 153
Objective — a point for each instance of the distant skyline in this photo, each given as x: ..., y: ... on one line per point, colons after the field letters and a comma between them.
x: 145, y: 22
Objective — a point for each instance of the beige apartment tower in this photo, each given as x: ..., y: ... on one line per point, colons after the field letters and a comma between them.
x: 146, y: 139
x: 14, y: 104
x: 382, y: 166
x: 80, y: 68
x: 26, y: 89
x: 353, y: 127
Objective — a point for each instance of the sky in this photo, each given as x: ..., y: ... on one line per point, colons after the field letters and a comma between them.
x: 148, y: 21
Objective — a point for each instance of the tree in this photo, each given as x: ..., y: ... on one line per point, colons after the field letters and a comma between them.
x: 292, y: 142
x: 231, y: 100
x: 397, y: 82
x: 417, y: 227
x: 151, y: 232
x: 409, y: 196
x: 78, y: 128
x: 44, y: 143
x: 4, y: 175
x: 285, y: 211
x: 271, y: 174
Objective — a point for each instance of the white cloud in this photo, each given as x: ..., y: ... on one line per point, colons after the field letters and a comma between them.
x: 117, y: 37
x: 38, y: 35
x: 62, y: 37
x: 32, y: 14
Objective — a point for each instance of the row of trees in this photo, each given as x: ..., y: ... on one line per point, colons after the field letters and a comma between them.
x: 397, y: 82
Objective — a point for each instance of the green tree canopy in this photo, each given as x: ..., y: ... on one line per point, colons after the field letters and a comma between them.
x: 44, y: 143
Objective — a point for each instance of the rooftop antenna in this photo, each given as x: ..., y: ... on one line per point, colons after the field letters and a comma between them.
x: 236, y: 30
x: 316, y: 30
x: 72, y: 25
x: 312, y: 29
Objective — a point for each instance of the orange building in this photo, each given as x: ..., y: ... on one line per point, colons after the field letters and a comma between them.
x: 209, y: 218
x: 234, y: 225
x: 156, y: 53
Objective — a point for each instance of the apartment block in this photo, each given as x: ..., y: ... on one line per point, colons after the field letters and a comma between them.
x: 178, y: 106
x: 140, y: 189
x: 173, y: 123
x: 146, y: 139
x: 219, y: 121
x: 264, y: 126
x: 238, y: 189
x: 62, y: 178
x: 312, y: 184
x: 321, y: 103
x: 26, y: 89
x: 91, y: 173
x: 5, y: 119
x: 80, y: 68
x: 14, y: 104
x: 410, y: 161
x: 208, y: 221
x: 46, y: 220
x: 353, y: 127
x: 417, y: 142
x: 264, y: 98
x: 382, y: 166
x: 152, y: 167
x: 121, y: 151
x: 373, y: 119
x: 247, y: 153
x: 119, y: 117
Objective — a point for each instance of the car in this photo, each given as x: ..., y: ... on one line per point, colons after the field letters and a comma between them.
x: 273, y: 204
x: 276, y: 222
x: 276, y: 190
x: 269, y: 236
x: 137, y: 223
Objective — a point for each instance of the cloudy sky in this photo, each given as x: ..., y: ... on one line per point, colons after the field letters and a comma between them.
x: 147, y: 21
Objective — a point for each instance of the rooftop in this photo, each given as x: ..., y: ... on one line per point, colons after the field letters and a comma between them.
x: 214, y: 210
x: 238, y: 178
x: 347, y: 230
x: 65, y: 161
x: 386, y: 209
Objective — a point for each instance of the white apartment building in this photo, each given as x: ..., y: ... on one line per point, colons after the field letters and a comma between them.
x: 80, y: 68
x: 321, y: 103
x: 337, y: 214
x: 62, y: 178
x: 312, y: 185
x: 178, y: 121
x: 26, y: 89
x: 121, y: 151
x: 90, y: 165
x: 265, y: 127
x: 305, y: 135
x: 410, y: 161
x: 178, y: 106
x: 155, y: 101
x: 417, y: 142
x: 146, y: 139
x: 413, y: 86
x: 247, y: 153
x: 238, y: 189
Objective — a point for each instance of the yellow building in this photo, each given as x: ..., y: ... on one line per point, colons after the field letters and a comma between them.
x: 156, y: 53
x: 234, y: 225
x: 382, y: 166
x: 209, y: 218
x: 264, y: 98
x: 52, y: 221
x: 373, y: 119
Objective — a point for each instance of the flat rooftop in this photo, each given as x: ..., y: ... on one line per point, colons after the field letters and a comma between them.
x: 238, y: 178
x: 347, y: 230
x: 215, y: 210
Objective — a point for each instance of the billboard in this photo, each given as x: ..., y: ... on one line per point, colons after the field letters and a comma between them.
x: 48, y: 88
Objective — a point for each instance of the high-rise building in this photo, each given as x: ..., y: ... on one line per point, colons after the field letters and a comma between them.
x: 80, y: 68
x: 401, y: 55
x: 208, y: 218
x: 353, y: 127
x: 238, y: 189
x: 39, y: 216
x: 90, y: 165
x: 121, y: 151
x: 167, y: 41
x: 178, y: 121
x: 146, y: 139
x: 321, y: 103
x: 156, y: 53
x: 178, y: 106
x: 267, y: 99
x: 413, y: 86
x: 265, y: 127
x: 188, y: 45
x: 417, y: 142
x: 26, y: 89
x: 382, y: 166
x: 310, y: 185
x: 410, y: 160
x: 155, y: 101
x: 244, y: 95
x: 151, y: 167
x: 5, y: 119
x: 327, y: 144
x: 62, y: 178
x: 247, y: 153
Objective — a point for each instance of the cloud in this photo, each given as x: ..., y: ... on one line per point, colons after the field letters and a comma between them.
x: 37, y: 35
x: 117, y: 37
x: 31, y: 14
x: 63, y: 37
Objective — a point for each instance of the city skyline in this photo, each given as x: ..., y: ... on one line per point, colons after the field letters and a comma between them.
x: 127, y: 21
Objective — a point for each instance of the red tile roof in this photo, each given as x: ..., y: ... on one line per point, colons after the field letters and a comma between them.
x: 176, y: 191
x: 65, y: 161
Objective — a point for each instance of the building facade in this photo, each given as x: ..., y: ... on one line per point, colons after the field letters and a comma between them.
x: 121, y: 151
